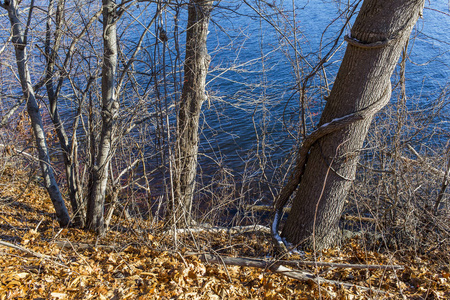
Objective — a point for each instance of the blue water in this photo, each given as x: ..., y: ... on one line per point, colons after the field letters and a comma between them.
x: 259, y: 100
x: 251, y: 121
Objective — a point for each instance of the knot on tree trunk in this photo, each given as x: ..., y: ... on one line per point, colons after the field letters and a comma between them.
x: 364, y: 45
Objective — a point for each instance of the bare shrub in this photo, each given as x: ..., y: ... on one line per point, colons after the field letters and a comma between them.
x: 399, y: 195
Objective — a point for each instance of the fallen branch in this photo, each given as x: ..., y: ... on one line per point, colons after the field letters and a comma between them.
x: 358, y: 218
x: 39, y: 255
x: 227, y: 230
x: 276, y: 267
x: 82, y: 246
x: 297, y: 263
x: 266, y: 208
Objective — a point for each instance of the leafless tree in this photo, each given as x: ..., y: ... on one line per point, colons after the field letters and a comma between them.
x: 68, y: 145
x: 110, y: 110
x: 196, y: 67
x: 19, y: 40
x: 327, y: 159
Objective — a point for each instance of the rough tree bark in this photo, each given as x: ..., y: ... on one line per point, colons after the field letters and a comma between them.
x: 110, y: 109
x: 20, y: 43
x: 193, y: 94
x: 68, y: 147
x: 328, y: 165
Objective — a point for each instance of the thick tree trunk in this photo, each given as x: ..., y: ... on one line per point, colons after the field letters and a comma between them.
x: 195, y: 70
x: 363, y: 81
x: 68, y: 152
x: 110, y: 109
x: 19, y: 41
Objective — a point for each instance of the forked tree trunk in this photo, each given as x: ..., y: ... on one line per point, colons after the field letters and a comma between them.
x: 19, y: 41
x: 110, y: 109
x: 362, y: 84
x: 195, y: 70
x: 68, y: 150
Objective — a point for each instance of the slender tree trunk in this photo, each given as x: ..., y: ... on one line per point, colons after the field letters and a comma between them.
x: 52, y: 94
x: 362, y: 85
x: 110, y: 108
x: 19, y: 41
x: 193, y: 94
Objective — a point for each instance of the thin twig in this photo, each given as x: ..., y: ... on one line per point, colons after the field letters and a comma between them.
x: 39, y: 255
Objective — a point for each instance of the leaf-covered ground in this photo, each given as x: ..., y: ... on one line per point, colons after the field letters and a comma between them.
x: 135, y: 260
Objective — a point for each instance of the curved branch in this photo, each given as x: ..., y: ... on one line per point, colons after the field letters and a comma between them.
x: 354, y: 42
x: 311, y: 139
